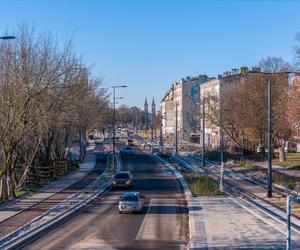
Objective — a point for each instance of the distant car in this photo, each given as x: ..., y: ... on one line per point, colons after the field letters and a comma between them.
x: 129, y: 142
x: 127, y: 150
x: 154, y: 150
x: 131, y: 202
x: 123, y: 179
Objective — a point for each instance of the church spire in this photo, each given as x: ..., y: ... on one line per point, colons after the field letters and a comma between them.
x: 146, y: 113
x: 153, y: 107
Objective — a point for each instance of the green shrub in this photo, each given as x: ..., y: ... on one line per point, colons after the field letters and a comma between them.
x: 291, y: 185
x: 202, y: 185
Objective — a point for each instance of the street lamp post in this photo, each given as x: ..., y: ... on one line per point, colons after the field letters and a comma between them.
x: 176, y: 128
x: 114, y: 121
x: 270, y: 153
x: 222, y: 160
x: 203, y: 132
x: 161, y: 142
x: 269, y: 137
x: 152, y: 115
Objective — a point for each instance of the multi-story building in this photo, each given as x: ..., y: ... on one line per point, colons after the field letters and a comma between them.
x: 183, y: 97
x: 221, y: 89
x: 211, y: 90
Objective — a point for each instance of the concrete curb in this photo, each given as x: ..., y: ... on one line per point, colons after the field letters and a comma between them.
x: 61, y: 212
x: 188, y: 196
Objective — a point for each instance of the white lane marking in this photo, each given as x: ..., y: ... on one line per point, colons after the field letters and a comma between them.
x: 91, y: 243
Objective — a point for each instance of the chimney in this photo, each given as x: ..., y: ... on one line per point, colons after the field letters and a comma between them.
x: 244, y: 70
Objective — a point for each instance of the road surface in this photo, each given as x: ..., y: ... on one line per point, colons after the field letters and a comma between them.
x: 164, y: 225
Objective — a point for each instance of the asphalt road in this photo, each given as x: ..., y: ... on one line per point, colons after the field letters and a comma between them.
x: 164, y: 225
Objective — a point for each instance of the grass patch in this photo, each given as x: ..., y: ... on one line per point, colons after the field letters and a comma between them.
x: 19, y: 192
x: 202, y: 185
x: 61, y: 174
x: 245, y: 164
x: 74, y: 165
x: 292, y: 160
x: 32, y: 188
x: 291, y: 184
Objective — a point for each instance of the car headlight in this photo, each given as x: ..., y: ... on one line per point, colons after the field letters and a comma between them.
x: 114, y: 182
x: 127, y: 182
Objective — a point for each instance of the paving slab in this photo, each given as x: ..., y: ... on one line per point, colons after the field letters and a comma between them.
x: 228, y: 223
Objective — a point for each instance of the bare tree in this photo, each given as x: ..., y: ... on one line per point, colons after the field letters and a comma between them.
x: 47, y: 98
x: 272, y: 64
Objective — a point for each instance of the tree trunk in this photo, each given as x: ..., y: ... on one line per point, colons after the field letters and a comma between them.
x: 281, y: 154
x: 10, y: 187
x: 24, y: 177
x: 3, y: 188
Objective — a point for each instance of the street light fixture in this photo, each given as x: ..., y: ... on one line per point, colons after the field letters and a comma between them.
x: 270, y: 156
x: 7, y: 37
x: 114, y: 120
x: 176, y: 128
x: 203, y: 132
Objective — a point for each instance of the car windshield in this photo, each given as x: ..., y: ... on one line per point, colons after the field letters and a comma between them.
x: 122, y: 176
x: 129, y: 198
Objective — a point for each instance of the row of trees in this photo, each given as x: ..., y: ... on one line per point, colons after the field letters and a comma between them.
x: 240, y: 110
x: 48, y: 98
x: 127, y: 116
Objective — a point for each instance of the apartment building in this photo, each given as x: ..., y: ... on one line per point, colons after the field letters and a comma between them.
x: 182, y: 96
x: 210, y: 91
x: 221, y: 88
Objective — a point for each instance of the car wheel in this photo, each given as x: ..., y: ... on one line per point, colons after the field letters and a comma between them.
x: 120, y: 212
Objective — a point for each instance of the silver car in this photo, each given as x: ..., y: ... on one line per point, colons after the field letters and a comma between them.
x: 131, y: 202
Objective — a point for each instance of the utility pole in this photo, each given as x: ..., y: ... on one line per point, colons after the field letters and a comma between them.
x: 270, y: 156
x: 176, y: 128
x: 114, y: 123
x: 160, y: 133
x: 222, y: 161
x: 114, y: 129
x: 152, y: 127
x: 203, y: 132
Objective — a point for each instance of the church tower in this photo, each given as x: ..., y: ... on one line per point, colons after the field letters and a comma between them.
x: 146, y: 113
x: 153, y: 108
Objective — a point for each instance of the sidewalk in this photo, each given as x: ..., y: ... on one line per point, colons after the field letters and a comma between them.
x: 290, y: 172
x: 235, y: 223
x: 232, y: 223
x: 11, y: 209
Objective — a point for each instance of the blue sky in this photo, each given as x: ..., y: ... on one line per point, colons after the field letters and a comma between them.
x: 150, y: 44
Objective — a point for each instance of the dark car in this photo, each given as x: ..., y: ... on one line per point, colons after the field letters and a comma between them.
x: 123, y: 179
x: 125, y: 150
x: 130, y: 142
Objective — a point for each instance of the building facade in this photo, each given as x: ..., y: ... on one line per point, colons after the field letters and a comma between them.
x: 221, y: 92
x: 183, y: 97
x: 210, y: 91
